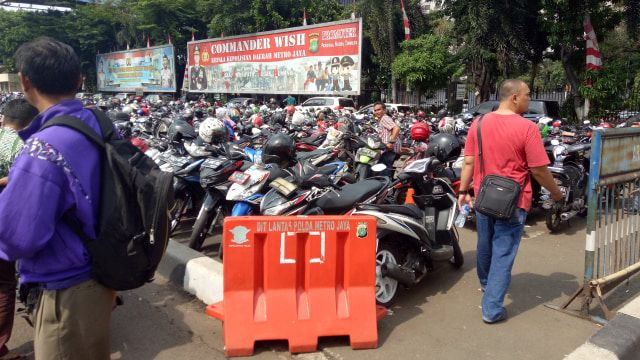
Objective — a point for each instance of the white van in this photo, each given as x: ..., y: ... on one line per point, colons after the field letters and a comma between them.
x: 335, y: 103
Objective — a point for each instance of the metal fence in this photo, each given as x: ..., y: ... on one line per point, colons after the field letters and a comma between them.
x: 612, y: 251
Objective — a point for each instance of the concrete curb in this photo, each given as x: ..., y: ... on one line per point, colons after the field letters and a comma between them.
x: 619, y: 339
x: 196, y: 273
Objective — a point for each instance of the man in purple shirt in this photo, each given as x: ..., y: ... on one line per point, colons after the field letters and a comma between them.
x: 57, y: 173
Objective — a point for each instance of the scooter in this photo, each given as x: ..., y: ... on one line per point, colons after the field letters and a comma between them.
x: 412, y: 239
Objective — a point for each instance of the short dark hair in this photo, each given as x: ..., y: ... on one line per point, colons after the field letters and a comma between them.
x: 19, y: 113
x: 380, y: 103
x: 51, y: 66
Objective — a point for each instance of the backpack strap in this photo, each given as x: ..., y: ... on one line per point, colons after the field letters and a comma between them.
x: 80, y: 126
x: 106, y: 127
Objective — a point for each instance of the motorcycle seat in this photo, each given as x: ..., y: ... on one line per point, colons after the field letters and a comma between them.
x: 410, y: 210
x: 349, y: 196
x: 312, y: 154
x: 314, y: 139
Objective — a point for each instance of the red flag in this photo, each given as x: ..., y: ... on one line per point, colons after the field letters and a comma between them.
x: 353, y: 14
x: 304, y: 17
x: 170, y: 42
x: 192, y: 37
x: 185, y: 83
x: 406, y: 22
x: 148, y: 43
x: 593, y: 50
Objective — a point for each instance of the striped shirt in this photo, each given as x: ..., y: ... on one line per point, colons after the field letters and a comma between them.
x: 385, y: 128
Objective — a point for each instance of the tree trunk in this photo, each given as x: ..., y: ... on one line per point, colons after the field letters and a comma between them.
x: 392, y: 51
x: 482, y: 81
x: 578, y: 101
x: 535, y: 69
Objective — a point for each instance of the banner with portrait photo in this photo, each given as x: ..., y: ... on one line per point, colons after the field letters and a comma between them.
x: 150, y: 69
x: 307, y: 60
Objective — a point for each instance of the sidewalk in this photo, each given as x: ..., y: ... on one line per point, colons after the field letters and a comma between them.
x: 443, y: 311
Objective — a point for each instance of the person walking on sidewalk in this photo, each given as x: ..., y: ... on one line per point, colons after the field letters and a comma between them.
x: 58, y: 172
x: 511, y: 146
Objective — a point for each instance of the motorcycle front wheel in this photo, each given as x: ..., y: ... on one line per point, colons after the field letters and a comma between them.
x: 386, y: 287
x: 176, y: 212
x: 200, y: 230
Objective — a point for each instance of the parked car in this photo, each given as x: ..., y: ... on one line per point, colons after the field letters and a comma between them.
x: 399, y: 108
x: 122, y: 96
x: 155, y: 97
x: 83, y: 95
x: 335, y: 103
x: 243, y: 101
x: 537, y: 109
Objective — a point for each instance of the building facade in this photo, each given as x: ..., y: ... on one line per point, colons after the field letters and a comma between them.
x: 9, y: 83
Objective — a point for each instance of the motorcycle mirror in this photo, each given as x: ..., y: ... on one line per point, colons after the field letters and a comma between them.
x: 555, y: 142
x: 378, y: 167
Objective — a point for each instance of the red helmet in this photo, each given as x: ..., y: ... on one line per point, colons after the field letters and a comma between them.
x: 421, y: 114
x: 145, y: 110
x: 556, y: 124
x: 138, y: 98
x: 257, y: 121
x: 605, y: 125
x: 420, y: 132
x: 408, y: 112
x: 291, y: 109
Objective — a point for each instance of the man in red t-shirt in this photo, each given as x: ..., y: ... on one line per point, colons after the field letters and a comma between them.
x: 511, y: 146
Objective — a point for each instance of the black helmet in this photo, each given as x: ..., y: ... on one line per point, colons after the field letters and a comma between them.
x: 188, y: 114
x: 279, y: 149
x: 445, y: 147
x: 179, y: 130
x: 248, y: 113
x: 198, y: 112
x: 442, y: 113
x: 277, y: 118
x: 124, y: 127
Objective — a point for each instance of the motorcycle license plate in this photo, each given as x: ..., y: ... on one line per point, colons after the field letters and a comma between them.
x: 366, y: 152
x: 212, y: 163
x: 178, y: 161
x: 563, y: 189
x: 239, y: 177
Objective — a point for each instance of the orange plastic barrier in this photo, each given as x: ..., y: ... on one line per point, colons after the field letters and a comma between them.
x: 298, y: 278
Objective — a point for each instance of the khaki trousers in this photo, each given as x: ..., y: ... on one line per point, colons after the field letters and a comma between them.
x: 74, y: 323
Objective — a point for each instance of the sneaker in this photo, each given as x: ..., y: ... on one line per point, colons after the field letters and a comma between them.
x: 502, y: 317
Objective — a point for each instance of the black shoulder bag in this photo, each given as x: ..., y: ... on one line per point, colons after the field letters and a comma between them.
x: 498, y: 195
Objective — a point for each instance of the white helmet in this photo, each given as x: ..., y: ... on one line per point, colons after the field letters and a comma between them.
x: 255, y: 131
x: 298, y: 118
x: 127, y: 109
x: 221, y: 112
x: 213, y: 130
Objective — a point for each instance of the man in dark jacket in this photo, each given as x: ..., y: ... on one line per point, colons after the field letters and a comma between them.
x: 57, y: 173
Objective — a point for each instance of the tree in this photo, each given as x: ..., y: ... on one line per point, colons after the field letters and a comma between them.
x: 493, y: 35
x: 426, y: 63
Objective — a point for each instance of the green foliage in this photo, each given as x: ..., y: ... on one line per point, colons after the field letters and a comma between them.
x: 426, y: 62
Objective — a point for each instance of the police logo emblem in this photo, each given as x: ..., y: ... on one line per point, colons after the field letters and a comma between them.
x: 362, y: 230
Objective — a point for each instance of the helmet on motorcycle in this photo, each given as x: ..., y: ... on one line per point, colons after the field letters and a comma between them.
x: 421, y: 114
x: 298, y: 118
x: 145, y: 111
x: 445, y: 147
x: 233, y: 114
x: 248, y: 113
x: 291, y: 109
x: 124, y: 127
x: 211, y: 111
x: 442, y: 113
x: 277, y: 118
x: 256, y: 109
x: 127, y: 109
x: 327, y: 110
x: 544, y: 129
x: 257, y: 121
x: 180, y: 130
x: 272, y: 101
x: 140, y: 112
x: 198, y: 112
x: 605, y: 125
x: 188, y: 115
x: 221, y: 112
x: 420, y: 132
x: 279, y: 149
x: 213, y: 130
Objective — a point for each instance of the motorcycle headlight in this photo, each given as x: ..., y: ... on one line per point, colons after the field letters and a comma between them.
x: 278, y: 209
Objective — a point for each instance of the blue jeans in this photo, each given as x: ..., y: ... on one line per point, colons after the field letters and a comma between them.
x: 498, y: 242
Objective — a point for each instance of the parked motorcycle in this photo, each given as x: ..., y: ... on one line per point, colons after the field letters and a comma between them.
x: 414, y: 238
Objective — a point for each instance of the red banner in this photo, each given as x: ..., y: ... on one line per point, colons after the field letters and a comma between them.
x: 294, y: 60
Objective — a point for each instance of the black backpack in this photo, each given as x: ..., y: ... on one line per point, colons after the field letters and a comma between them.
x: 132, y: 228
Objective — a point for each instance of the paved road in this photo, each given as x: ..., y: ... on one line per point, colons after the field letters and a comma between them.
x: 439, y: 318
